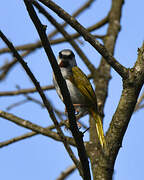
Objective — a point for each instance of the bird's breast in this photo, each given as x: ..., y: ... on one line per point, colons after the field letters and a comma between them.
x: 76, y: 96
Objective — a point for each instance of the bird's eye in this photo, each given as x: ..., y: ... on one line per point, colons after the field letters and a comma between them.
x: 60, y: 55
x: 71, y: 56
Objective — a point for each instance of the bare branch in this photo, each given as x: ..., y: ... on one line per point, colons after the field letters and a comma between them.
x: 47, y: 105
x: 138, y: 105
x: 73, y: 126
x: 38, y: 130
x: 103, y: 77
x: 124, y: 111
x: 16, y: 104
x: 121, y: 70
x: 25, y: 91
x: 7, y: 67
x: 139, y: 108
x: 67, y: 172
x: 85, y: 173
x: 32, y: 46
x: 67, y: 37
x: 75, y: 14
x: 30, y: 90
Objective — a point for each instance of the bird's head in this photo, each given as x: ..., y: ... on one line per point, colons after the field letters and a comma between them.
x: 66, y: 59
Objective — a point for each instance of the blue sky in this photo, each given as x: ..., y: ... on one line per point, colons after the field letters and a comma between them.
x: 41, y: 157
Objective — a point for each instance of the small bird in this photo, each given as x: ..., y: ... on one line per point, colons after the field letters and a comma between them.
x: 81, y: 92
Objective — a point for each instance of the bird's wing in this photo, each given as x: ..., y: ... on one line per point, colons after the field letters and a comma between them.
x: 82, y: 83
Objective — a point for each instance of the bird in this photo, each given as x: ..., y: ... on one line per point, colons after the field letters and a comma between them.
x: 81, y: 91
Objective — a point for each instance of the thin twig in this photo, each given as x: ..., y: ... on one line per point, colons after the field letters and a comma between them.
x: 75, y: 14
x: 67, y: 172
x: 37, y: 44
x: 29, y: 98
x: 25, y: 91
x: 138, y: 105
x: 59, y: 114
x: 7, y: 67
x: 30, y: 90
x: 16, y: 104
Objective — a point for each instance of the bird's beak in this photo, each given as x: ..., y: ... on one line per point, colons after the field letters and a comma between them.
x: 63, y: 64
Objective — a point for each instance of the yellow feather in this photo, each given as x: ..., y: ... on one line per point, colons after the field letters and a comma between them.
x: 99, y: 127
x: 82, y: 83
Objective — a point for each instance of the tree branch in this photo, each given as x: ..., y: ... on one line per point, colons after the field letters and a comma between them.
x: 73, y: 125
x: 36, y: 128
x: 121, y: 70
x: 114, y: 136
x: 138, y: 105
x: 66, y: 36
x: 7, y: 67
x: 75, y: 14
x: 32, y: 46
x: 47, y: 105
x: 103, y: 77
x: 67, y: 172
x: 64, y: 90
x: 25, y: 91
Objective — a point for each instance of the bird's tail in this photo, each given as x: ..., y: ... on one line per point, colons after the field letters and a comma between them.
x: 99, y: 127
